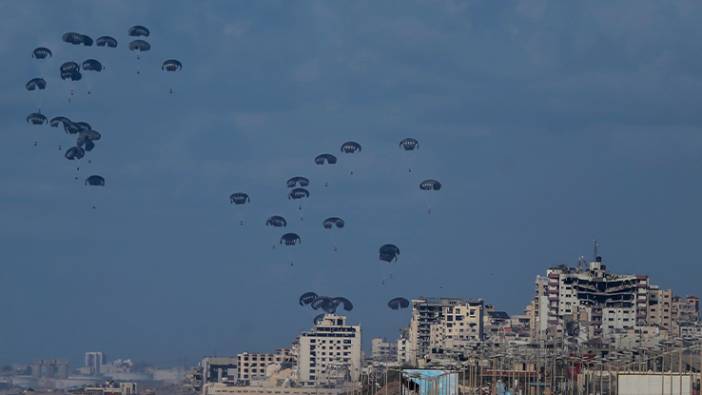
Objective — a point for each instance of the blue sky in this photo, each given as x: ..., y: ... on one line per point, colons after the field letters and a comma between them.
x: 549, y: 123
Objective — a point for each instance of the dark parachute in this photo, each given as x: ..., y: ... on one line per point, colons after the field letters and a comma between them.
x: 41, y: 53
x: 325, y: 303
x: 70, y: 67
x: 345, y: 303
x: 77, y: 127
x: 430, y: 185
x: 106, y: 41
x: 56, y: 121
x: 409, y: 144
x: 87, y: 138
x: 72, y: 75
x: 307, y: 298
x: 77, y: 39
x: 389, y: 253
x: 299, y: 193
x: 333, y: 222
x: 35, y: 83
x: 74, y: 153
x: 398, y: 303
x: 325, y: 158
x: 318, y: 319
x: 139, y: 45
x: 171, y: 65
x: 239, y: 198
x: 95, y: 180
x: 290, y: 239
x: 350, y: 147
x: 139, y: 31
x: 277, y: 221
x: 92, y: 65
x: 36, y: 118
x: 298, y: 181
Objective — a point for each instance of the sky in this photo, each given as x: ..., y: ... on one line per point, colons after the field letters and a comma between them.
x: 549, y: 123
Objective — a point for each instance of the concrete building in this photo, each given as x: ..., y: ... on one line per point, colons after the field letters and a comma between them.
x: 49, y: 369
x: 330, y: 352
x: 383, y: 350
x: 252, y: 366
x: 219, y: 369
x: 93, y: 362
x: 440, y: 325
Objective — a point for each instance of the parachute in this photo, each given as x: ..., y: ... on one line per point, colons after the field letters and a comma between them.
x: 298, y: 193
x: 92, y: 65
x: 276, y: 221
x: 70, y: 67
x: 35, y: 83
x: 325, y: 303
x: 86, y: 139
x: 239, y: 198
x: 36, y: 118
x: 350, y: 147
x: 346, y: 304
x: 139, y: 45
x: 74, y: 153
x: 325, y: 158
x: 106, y: 41
x: 295, y: 181
x: 139, y: 31
x: 389, y: 253
x: 95, y: 180
x: 398, y: 303
x: 430, y: 185
x: 409, y: 144
x: 41, y: 53
x: 290, y: 239
x: 72, y: 75
x: 77, y: 39
x: 171, y: 65
x: 56, y: 121
x: 332, y: 222
x: 307, y: 298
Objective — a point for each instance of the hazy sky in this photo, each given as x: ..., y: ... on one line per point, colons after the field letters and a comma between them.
x: 549, y: 123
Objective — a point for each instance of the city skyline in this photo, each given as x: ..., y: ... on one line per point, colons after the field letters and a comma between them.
x: 549, y: 125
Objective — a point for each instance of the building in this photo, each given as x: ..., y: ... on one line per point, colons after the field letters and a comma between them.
x: 252, y: 366
x: 441, y: 325
x: 49, y: 368
x: 330, y: 352
x: 93, y: 362
x: 219, y: 369
x: 383, y: 350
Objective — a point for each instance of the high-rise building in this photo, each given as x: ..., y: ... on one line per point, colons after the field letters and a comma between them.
x: 93, y: 362
x: 383, y: 350
x: 330, y: 352
x: 50, y: 368
x: 444, y: 325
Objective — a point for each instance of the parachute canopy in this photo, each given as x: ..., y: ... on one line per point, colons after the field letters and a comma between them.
x: 307, y: 298
x: 290, y: 239
x: 77, y: 39
x: 398, y: 303
x: 325, y: 159
x: 92, y: 65
x: 56, y: 121
x: 430, y: 185
x: 36, y: 118
x: 74, y: 153
x: 171, y: 65
x: 345, y: 303
x: 276, y: 221
x: 409, y: 144
x: 299, y: 193
x: 71, y: 75
x: 35, y: 83
x: 70, y: 67
x: 298, y: 181
x: 95, y: 180
x: 389, y: 253
x: 106, y: 41
x: 41, y: 53
x: 139, y: 45
x: 350, y: 147
x: 332, y: 222
x: 239, y: 198
x: 139, y: 31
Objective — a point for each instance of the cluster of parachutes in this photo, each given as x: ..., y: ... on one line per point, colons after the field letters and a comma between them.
x: 70, y: 70
x: 328, y: 304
